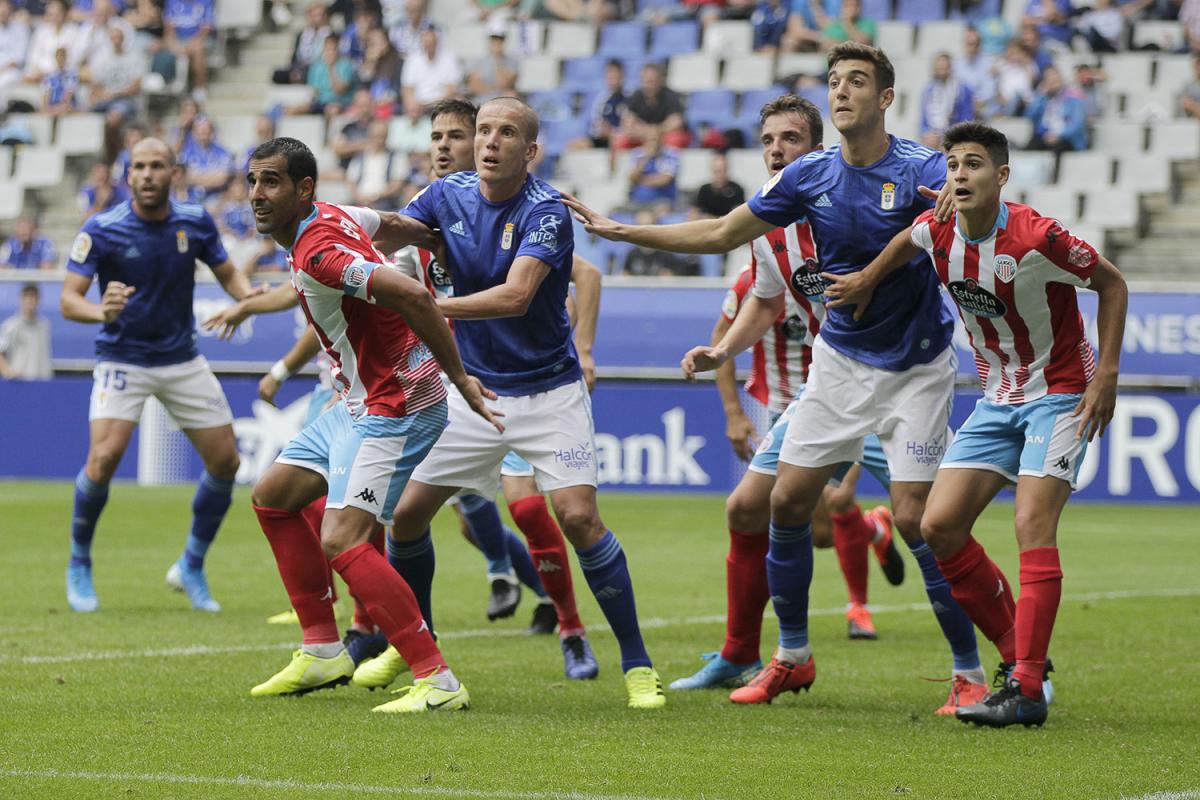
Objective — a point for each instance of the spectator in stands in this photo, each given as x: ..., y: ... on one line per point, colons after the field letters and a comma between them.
x: 493, y: 75
x: 652, y: 178
x: 1058, y: 115
x: 116, y: 86
x: 94, y: 43
x: 595, y: 11
x: 235, y: 221
x: 60, y: 86
x: 1052, y: 19
x: 1089, y: 83
x: 410, y: 133
x: 188, y: 27
x: 25, y: 341
x: 264, y: 130
x: 380, y: 69
x: 14, y: 43
x: 309, y: 41
x: 210, y: 166
x: 182, y: 188
x: 133, y: 134
x: 1189, y: 17
x: 996, y: 33
x: 101, y: 192
x: 27, y: 249
x: 645, y: 261
x: 973, y: 69
x: 1190, y: 97
x: 49, y: 35
x: 431, y: 72
x: 1030, y: 39
x: 850, y: 26
x: 806, y: 20
x: 377, y: 175
x: 770, y: 24
x: 146, y: 17
x: 495, y: 13
x: 353, y: 41
x: 352, y: 128
x: 1103, y: 26
x: 405, y: 30
x: 332, y: 80
x: 1016, y: 75
x: 944, y: 102
x: 721, y: 194
x: 181, y: 133
x: 653, y: 109
x: 607, y: 110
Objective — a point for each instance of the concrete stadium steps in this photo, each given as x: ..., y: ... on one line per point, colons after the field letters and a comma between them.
x: 240, y: 87
x: 1167, y: 250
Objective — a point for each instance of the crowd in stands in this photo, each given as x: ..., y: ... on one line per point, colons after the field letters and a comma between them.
x: 376, y: 67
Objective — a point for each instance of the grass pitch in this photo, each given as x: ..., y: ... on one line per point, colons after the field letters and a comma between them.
x: 148, y: 699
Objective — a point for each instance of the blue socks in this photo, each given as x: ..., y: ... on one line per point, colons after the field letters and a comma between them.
x: 89, y: 502
x: 523, y: 564
x: 789, y: 574
x: 607, y: 575
x: 209, y: 505
x: 415, y: 562
x: 956, y: 625
x: 483, y: 517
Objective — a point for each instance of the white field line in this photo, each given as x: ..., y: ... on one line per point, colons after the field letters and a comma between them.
x: 344, y: 789
x: 1184, y: 794
x: 483, y: 633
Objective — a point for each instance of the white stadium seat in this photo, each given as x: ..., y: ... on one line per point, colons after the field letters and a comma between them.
x: 1119, y: 138
x: 80, y: 134
x: 1057, y: 202
x: 1172, y: 72
x: 238, y: 15
x: 1017, y: 129
x: 894, y: 38
x: 747, y: 72
x: 585, y: 166
x: 1127, y: 72
x: 288, y: 96
x: 934, y: 37
x: 6, y: 162
x: 1179, y: 139
x: 570, y: 40
x: 1143, y: 172
x: 39, y: 125
x: 308, y: 128
x: 1084, y: 169
x: 746, y: 168
x: 39, y: 167
x: 12, y: 197
x: 468, y: 41
x: 695, y: 169
x: 1166, y: 36
x: 801, y: 63
x: 1029, y: 170
x: 727, y: 38
x: 1111, y: 208
x: 237, y: 132
x: 538, y: 74
x: 693, y: 72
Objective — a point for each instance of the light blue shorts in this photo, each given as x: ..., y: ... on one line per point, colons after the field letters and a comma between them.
x: 365, y: 462
x: 317, y: 401
x: 766, y: 457
x: 1035, y: 438
x: 514, y: 466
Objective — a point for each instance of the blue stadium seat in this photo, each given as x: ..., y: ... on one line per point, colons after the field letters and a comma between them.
x: 633, y: 71
x: 649, y: 5
x: 877, y: 9
x: 712, y: 101
x: 818, y: 96
x: 622, y: 40
x: 985, y: 9
x: 754, y: 100
x: 552, y: 104
x: 556, y: 133
x: 583, y: 74
x: 674, y: 38
x: 920, y: 10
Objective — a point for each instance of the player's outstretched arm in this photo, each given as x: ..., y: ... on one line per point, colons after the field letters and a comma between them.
x: 856, y: 288
x: 392, y: 289
x: 400, y: 230
x: 738, y: 428
x: 754, y: 319
x: 233, y: 281
x: 227, y: 320
x: 509, y: 299
x: 304, y: 350
x: 76, y: 307
x: 586, y: 277
x: 698, y: 236
x: 1095, y: 409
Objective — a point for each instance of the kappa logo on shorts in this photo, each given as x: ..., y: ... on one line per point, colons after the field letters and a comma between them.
x: 367, y: 496
x: 1063, y: 463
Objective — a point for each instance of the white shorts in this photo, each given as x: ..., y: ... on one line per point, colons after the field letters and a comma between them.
x: 844, y: 400
x: 550, y: 430
x: 189, y: 391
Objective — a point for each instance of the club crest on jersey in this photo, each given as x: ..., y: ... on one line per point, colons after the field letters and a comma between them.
x: 354, y: 277
x: 181, y: 242
x: 887, y: 198
x: 1005, y: 267
x: 1080, y: 255
x: 506, y: 239
x: 807, y: 279
x: 974, y: 299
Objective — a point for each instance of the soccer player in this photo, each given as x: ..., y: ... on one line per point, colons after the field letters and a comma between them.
x: 788, y: 323
x: 144, y: 253
x: 509, y: 242
x: 891, y: 374
x: 1013, y: 274
x: 386, y: 341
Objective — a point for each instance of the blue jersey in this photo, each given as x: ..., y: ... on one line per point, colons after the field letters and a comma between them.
x: 517, y: 355
x: 32, y: 256
x: 853, y: 213
x: 158, y: 259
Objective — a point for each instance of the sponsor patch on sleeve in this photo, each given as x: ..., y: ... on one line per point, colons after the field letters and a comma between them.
x: 81, y: 247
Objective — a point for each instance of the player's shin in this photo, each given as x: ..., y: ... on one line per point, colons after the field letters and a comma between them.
x: 852, y: 534
x: 548, y: 550
x: 1037, y: 607
x: 746, y: 594
x: 956, y: 625
x: 607, y: 575
x: 304, y: 571
x: 982, y: 590
x: 415, y: 561
x: 314, y: 515
x: 211, y: 501
x: 90, y: 498
x: 789, y: 575
x: 484, y: 520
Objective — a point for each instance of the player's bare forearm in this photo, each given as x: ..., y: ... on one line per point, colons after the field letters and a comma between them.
x: 233, y: 281
x: 280, y: 298
x: 753, y: 321
x: 509, y: 299
x: 303, y: 351
x: 392, y: 289
x: 74, y: 305
x: 697, y: 236
x: 726, y: 374
x: 587, y: 280
x: 1112, y: 306
x: 400, y: 230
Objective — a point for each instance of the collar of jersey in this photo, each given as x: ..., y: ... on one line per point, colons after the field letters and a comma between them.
x: 520, y: 193
x: 304, y: 223
x: 892, y: 140
x: 1001, y: 222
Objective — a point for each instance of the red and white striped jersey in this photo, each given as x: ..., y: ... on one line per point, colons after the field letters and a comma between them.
x: 379, y: 365
x: 780, y: 363
x: 1015, y: 291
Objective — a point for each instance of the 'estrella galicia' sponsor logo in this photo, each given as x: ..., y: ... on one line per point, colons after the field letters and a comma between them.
x: 1005, y: 267
x: 974, y: 299
x: 807, y: 279
x: 926, y: 453
x: 547, y: 232
x: 439, y: 276
x: 577, y: 457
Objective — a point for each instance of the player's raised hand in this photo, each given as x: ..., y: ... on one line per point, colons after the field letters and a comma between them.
x: 226, y: 321
x: 593, y: 221
x: 943, y: 201
x: 704, y: 358
x: 1095, y: 409
x: 268, y: 387
x: 475, y: 393
x: 113, y: 301
x: 851, y: 289
x: 742, y: 435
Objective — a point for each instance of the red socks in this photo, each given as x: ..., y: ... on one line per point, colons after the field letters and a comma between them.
x: 304, y: 571
x: 362, y: 617
x: 852, y: 535
x: 549, y: 553
x: 1041, y: 589
x: 746, y: 595
x: 981, y: 589
x: 314, y: 515
x: 391, y: 605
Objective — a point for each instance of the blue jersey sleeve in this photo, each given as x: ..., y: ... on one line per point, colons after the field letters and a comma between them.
x: 86, y: 250
x: 933, y: 174
x: 423, y: 208
x: 212, y: 251
x: 780, y: 201
x: 548, y: 235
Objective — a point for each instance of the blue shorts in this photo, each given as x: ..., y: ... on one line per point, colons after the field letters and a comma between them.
x: 366, y: 462
x: 317, y: 401
x: 1035, y: 438
x: 766, y: 457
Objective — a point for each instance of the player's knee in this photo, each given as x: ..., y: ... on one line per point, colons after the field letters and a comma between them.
x: 1035, y: 527
x: 224, y: 467
x: 939, y: 533
x: 744, y: 514
x: 790, y: 507
x: 102, y: 463
x: 908, y: 522
x: 581, y: 525
x: 822, y: 532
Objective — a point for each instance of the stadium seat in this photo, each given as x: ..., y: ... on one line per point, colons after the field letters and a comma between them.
x: 238, y: 15
x: 588, y: 247
x: 747, y: 72
x: 894, y: 38
x: 651, y: 5
x: 39, y: 167
x: 583, y: 74
x: 556, y: 134
x: 6, y: 163
x: 80, y: 134
x: 1151, y: 105
x: 1084, y: 169
x: 336, y: 192
x: 693, y: 72
x: 940, y: 36
x: 746, y: 168
x: 1054, y: 201
x: 1172, y: 72
x: 877, y: 9
x: 570, y: 39
x: 674, y: 38
x: 308, y: 128
x: 695, y: 169
x: 622, y: 40
x: 1143, y: 172
x: 1017, y: 129
x: 977, y: 11
x: 1128, y: 72
x: 920, y: 10
x: 818, y: 96
x: 605, y: 196
x: 237, y: 132
x: 553, y: 104
x: 584, y: 167
x: 1119, y: 138
x: 39, y: 125
x: 33, y: 94
x: 538, y: 74
x: 466, y: 40
x: 1028, y: 170
x: 1178, y: 139
x: 1161, y: 34
x: 713, y: 101
x: 287, y: 96
x: 752, y: 101
x: 633, y: 72
x: 728, y: 38
x: 525, y: 38
x: 1107, y: 208
x: 813, y: 64
x: 12, y: 196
